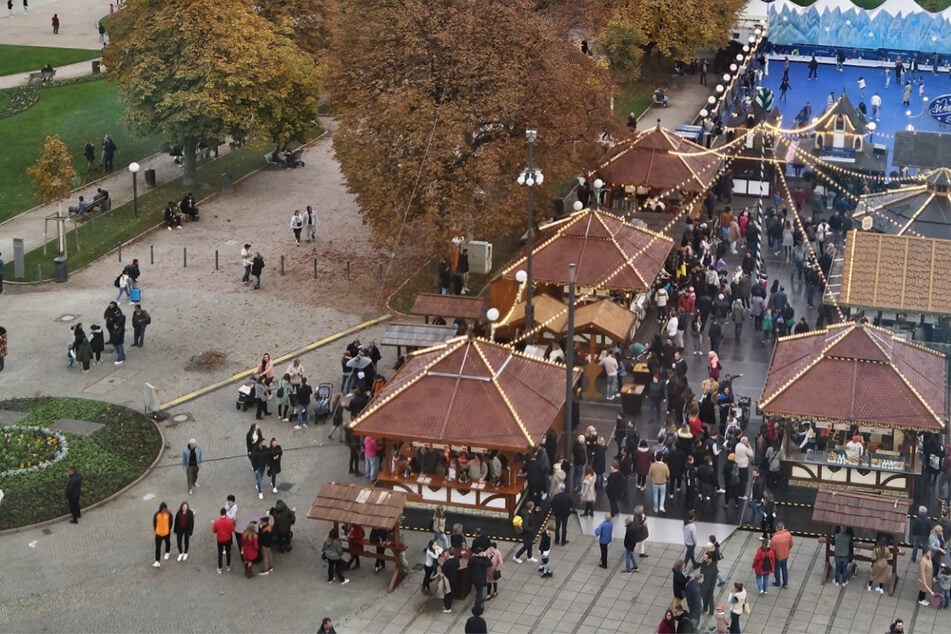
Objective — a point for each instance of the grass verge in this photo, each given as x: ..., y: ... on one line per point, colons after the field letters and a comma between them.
x: 78, y: 113
x: 105, y: 231
x: 109, y: 459
x: 635, y: 97
x: 25, y: 59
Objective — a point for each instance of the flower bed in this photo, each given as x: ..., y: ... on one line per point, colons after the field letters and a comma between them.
x: 108, y: 459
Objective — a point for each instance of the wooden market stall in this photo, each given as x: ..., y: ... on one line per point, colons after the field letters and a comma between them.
x: 457, y: 403
x: 550, y: 316
x: 855, y: 383
x: 415, y: 336
x: 370, y: 508
x: 875, y: 515
x: 449, y: 307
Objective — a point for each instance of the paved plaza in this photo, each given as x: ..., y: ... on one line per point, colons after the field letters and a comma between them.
x: 97, y: 575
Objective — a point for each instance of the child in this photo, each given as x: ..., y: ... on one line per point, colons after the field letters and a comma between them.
x: 944, y: 581
x: 722, y: 619
x: 544, y: 545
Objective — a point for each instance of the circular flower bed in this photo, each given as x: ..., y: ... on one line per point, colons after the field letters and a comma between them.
x: 34, y: 459
x: 24, y: 449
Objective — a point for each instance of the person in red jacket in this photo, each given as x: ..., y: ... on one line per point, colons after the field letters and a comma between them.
x: 249, y: 548
x: 764, y: 564
x: 669, y: 624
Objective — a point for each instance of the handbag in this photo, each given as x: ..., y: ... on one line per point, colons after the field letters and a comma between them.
x: 746, y: 607
x: 496, y: 575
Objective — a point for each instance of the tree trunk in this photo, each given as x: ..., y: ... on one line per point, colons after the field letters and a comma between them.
x: 190, y: 161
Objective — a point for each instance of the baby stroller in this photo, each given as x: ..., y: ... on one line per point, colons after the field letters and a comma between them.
x: 322, y: 401
x: 245, y: 396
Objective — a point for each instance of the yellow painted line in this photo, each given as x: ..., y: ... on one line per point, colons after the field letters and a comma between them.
x: 286, y: 357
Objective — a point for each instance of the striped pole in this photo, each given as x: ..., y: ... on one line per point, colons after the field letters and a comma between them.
x: 759, y: 266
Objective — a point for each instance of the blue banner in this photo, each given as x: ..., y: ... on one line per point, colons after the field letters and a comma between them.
x: 940, y: 109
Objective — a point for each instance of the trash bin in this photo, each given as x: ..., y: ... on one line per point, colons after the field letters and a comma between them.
x: 227, y: 183
x: 60, y: 269
x: 150, y: 178
x: 96, y: 66
x: 674, y: 80
x: 632, y: 396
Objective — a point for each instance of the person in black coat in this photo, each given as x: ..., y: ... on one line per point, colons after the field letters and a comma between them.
x: 450, y: 570
x: 475, y: 624
x: 561, y: 505
x: 184, y: 526
x: 73, y: 490
x: 616, y: 489
x: 479, y: 565
x: 535, y: 474
x: 117, y: 338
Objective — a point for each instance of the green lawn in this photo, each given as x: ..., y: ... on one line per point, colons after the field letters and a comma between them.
x: 634, y: 98
x: 23, y: 59
x: 78, y: 113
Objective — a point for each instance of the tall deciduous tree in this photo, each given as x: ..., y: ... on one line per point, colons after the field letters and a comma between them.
x: 433, y: 98
x: 681, y: 26
x: 201, y: 70
x: 52, y: 177
x: 311, y: 22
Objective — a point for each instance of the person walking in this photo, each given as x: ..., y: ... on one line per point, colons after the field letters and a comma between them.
x: 448, y: 571
x: 523, y: 523
x: 708, y: 581
x: 630, y: 544
x: 257, y: 267
x: 124, y: 284
x: 274, y: 464
x: 260, y: 459
x: 925, y: 577
x: 162, y: 527
x: 659, y: 474
x: 332, y: 551
x: 249, y: 548
x: 108, y: 148
x: 475, y: 624
x: 223, y: 529
x: 690, y: 540
x: 74, y: 489
x: 246, y: 259
x: 605, y: 533
x: 764, y: 564
x: 54, y: 22
x: 879, y: 572
x: 782, y: 543
x: 304, y: 392
x: 310, y: 222
x: 140, y: 319
x: 544, y: 547
x: 191, y: 463
x: 433, y: 551
x: 642, y: 532
x: 184, y: 526
x: 297, y: 225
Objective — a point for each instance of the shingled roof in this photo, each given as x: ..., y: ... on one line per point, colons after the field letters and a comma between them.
x: 901, y: 273
x: 610, y: 253
x: 468, y: 392
x: 658, y: 158
x: 856, y: 373
x: 922, y: 209
x: 860, y: 510
x: 922, y: 149
x: 354, y: 504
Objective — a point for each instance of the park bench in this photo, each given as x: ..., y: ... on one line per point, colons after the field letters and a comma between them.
x: 294, y: 160
x: 41, y: 75
x: 102, y: 201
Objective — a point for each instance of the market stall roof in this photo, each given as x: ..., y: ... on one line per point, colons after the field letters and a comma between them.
x: 413, y: 335
x: 435, y: 305
x: 660, y: 159
x: 608, y: 318
x: 901, y: 273
x: 856, y: 373
x: 468, y: 392
x: 549, y: 313
x: 922, y: 209
x: 610, y: 253
x: 355, y: 504
x: 860, y: 510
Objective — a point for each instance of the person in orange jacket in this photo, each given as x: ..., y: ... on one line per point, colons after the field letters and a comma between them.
x: 782, y: 543
x: 162, y: 526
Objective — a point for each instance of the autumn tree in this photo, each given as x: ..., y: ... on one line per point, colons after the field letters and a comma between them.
x: 623, y: 45
x: 202, y: 70
x: 681, y: 26
x: 310, y: 22
x: 52, y: 177
x: 433, y: 98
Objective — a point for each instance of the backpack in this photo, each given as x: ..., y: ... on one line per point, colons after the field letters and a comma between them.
x: 735, y: 475
x: 280, y: 392
x: 116, y: 283
x: 767, y: 565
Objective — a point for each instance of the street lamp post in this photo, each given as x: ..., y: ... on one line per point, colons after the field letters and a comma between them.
x: 569, y: 365
x: 134, y: 168
x: 530, y: 177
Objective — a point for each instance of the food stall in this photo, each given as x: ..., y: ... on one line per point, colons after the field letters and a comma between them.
x: 867, y: 394
x: 457, y: 411
x: 370, y: 508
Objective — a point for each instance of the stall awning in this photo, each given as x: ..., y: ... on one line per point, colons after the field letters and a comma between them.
x: 416, y: 335
x: 607, y: 318
x: 449, y: 306
x: 354, y: 504
x: 860, y: 510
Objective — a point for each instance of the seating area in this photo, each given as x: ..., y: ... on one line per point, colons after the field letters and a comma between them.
x: 45, y: 74
x: 101, y: 200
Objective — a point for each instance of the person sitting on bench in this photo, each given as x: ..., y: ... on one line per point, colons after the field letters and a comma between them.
x: 81, y: 207
x: 48, y: 70
x: 102, y: 199
x: 172, y: 217
x: 660, y: 97
x: 188, y: 206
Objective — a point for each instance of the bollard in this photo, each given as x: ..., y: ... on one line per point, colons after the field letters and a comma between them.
x: 348, y: 270
x: 119, y: 246
x: 282, y: 265
x: 315, y: 268
x: 151, y: 254
x: 216, y: 259
x: 184, y: 257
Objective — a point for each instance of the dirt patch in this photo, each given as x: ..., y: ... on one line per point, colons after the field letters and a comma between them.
x: 208, y: 360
